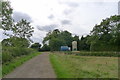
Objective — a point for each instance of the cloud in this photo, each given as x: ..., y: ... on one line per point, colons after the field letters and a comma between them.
x: 17, y: 16
x: 119, y: 7
x: 72, y: 4
x: 67, y: 11
x: 51, y: 16
x: 65, y: 22
x: 47, y: 28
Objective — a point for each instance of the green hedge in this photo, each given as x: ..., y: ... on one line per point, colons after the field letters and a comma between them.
x: 8, y: 53
x: 109, y: 54
x: 100, y: 46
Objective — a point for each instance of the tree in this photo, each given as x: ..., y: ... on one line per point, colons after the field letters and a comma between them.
x: 23, y: 29
x: 36, y: 46
x: 57, y: 39
x: 45, y: 48
x: 106, y: 35
x: 53, y: 34
x: 0, y: 10
x: 7, y: 21
x: 55, y: 44
x: 83, y: 45
x: 15, y: 42
x: 66, y: 37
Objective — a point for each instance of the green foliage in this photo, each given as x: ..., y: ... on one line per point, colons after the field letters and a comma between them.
x: 0, y: 11
x: 36, y: 46
x: 83, y: 45
x: 57, y: 39
x: 15, y: 42
x: 45, y: 48
x: 105, y: 54
x: 66, y: 38
x: 23, y: 29
x: 7, y: 21
x: 9, y: 53
x: 106, y: 35
x: 6, y: 57
x: 102, y: 46
x: 55, y: 44
x: 103, y: 37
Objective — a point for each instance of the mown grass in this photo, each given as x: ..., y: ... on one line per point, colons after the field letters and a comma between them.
x: 71, y: 66
x: 10, y: 66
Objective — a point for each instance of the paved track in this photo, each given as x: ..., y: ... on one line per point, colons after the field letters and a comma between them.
x: 38, y: 67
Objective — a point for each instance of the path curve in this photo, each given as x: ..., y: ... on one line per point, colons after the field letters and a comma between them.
x: 37, y: 67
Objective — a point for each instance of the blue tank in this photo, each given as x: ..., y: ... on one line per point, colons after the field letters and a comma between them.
x: 64, y: 48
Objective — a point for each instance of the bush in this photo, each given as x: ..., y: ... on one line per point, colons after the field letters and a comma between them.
x: 8, y: 53
x: 109, y: 54
x: 6, y: 57
x: 100, y: 46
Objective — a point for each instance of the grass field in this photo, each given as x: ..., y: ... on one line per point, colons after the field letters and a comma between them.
x: 8, y: 67
x: 71, y: 66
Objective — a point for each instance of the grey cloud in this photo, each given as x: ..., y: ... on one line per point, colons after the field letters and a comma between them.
x: 17, y: 16
x: 47, y: 28
x: 66, y: 22
x: 72, y: 4
x: 67, y: 11
x: 51, y: 16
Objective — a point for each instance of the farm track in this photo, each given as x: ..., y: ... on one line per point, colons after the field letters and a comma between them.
x: 37, y: 67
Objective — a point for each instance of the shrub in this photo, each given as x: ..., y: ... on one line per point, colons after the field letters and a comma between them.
x: 6, y: 57
x: 8, y: 53
x: 109, y: 54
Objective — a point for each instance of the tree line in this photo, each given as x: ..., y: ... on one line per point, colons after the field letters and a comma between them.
x: 103, y: 37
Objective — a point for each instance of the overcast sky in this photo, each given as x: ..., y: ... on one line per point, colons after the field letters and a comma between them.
x: 76, y: 16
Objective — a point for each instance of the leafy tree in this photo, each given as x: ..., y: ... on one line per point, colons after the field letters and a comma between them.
x: 45, y: 48
x: 66, y: 37
x: 0, y: 10
x: 50, y: 35
x: 15, y: 42
x: 56, y: 43
x: 106, y: 34
x: 23, y: 29
x: 7, y: 21
x: 36, y: 46
x: 83, y: 45
x: 57, y: 39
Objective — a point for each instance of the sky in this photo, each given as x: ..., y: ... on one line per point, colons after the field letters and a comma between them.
x: 76, y: 16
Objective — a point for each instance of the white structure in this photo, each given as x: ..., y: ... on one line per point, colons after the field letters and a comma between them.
x: 74, y: 46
